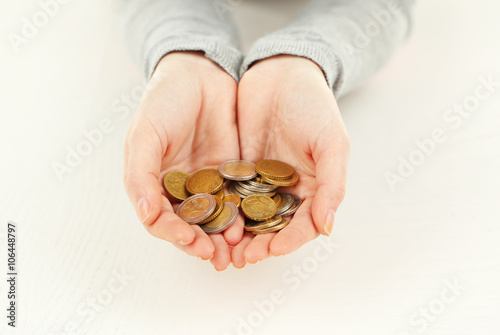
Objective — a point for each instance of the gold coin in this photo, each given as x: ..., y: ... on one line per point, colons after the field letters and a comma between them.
x: 237, y: 170
x: 218, y: 208
x: 259, y: 225
x: 220, y: 194
x: 258, y: 179
x: 205, y: 181
x: 197, y: 208
x: 277, y: 200
x: 282, y: 182
x: 234, y: 198
x: 175, y: 184
x: 274, y: 169
x: 225, y: 219
x: 258, y: 207
x: 273, y: 229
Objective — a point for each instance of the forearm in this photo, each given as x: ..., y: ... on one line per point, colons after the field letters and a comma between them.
x: 155, y: 28
x: 349, y: 40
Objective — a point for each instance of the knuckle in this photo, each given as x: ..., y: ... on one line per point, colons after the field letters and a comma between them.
x: 131, y: 179
x: 339, y: 192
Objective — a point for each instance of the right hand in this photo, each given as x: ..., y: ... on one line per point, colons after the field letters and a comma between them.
x: 185, y: 121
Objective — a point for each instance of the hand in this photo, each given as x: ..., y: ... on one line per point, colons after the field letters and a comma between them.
x: 185, y: 121
x: 286, y: 111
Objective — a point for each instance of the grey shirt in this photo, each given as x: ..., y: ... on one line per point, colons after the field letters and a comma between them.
x: 348, y: 39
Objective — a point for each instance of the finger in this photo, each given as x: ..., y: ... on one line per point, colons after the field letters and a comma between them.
x: 331, y: 175
x: 258, y: 248
x: 238, y: 251
x: 202, y: 246
x: 170, y: 227
x: 299, y: 231
x: 252, y: 126
x: 234, y: 233
x: 222, y: 255
x: 145, y: 151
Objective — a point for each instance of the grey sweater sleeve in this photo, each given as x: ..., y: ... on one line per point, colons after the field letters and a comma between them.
x: 348, y: 39
x: 156, y: 27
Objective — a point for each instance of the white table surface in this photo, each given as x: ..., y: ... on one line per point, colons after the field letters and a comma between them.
x: 395, y: 251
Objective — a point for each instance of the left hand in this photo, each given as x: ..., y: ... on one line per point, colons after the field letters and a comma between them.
x: 286, y: 111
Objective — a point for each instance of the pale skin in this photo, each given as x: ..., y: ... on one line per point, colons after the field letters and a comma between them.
x: 195, y: 115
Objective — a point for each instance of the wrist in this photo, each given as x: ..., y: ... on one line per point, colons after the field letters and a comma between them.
x: 194, y: 58
x: 287, y: 65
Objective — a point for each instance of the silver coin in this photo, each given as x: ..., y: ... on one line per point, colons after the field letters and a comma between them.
x: 267, y: 186
x: 247, y: 192
x: 255, y: 188
x: 223, y: 221
x: 248, y: 187
x: 232, y: 189
x: 237, y: 170
x: 294, y: 207
x: 255, y: 183
x: 242, y: 190
x: 287, y: 201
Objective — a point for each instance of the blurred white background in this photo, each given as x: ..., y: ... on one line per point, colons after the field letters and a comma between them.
x: 421, y: 257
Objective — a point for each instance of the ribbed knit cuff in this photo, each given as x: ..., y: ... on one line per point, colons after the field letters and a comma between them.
x: 316, y: 51
x: 227, y: 57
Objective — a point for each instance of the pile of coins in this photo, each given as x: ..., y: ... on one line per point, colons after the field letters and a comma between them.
x: 253, y: 187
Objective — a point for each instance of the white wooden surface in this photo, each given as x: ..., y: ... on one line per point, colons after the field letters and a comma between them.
x: 395, y: 252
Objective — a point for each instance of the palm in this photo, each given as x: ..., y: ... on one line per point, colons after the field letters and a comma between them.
x: 292, y: 121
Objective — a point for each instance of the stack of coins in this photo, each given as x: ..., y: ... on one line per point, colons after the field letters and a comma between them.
x: 254, y: 188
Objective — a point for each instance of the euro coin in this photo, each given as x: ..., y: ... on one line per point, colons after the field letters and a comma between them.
x: 237, y: 170
x: 196, y: 208
x: 257, y: 187
x: 283, y: 182
x: 258, y: 225
x: 232, y: 189
x: 220, y: 194
x: 218, y: 208
x: 272, y: 229
x: 274, y: 169
x: 205, y: 181
x: 293, y: 208
x: 234, y: 198
x: 287, y: 201
x: 258, y: 207
x: 248, y: 192
x: 175, y: 184
x: 223, y: 221
x: 277, y: 200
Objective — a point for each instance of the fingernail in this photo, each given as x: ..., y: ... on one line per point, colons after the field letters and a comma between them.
x: 144, y: 211
x: 182, y: 243
x: 329, y: 222
x: 258, y: 261
x: 276, y: 255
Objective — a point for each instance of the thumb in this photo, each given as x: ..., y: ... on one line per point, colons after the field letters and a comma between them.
x: 143, y: 155
x: 331, y: 175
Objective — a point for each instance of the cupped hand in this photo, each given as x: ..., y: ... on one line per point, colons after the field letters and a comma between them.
x: 287, y: 112
x: 185, y: 121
